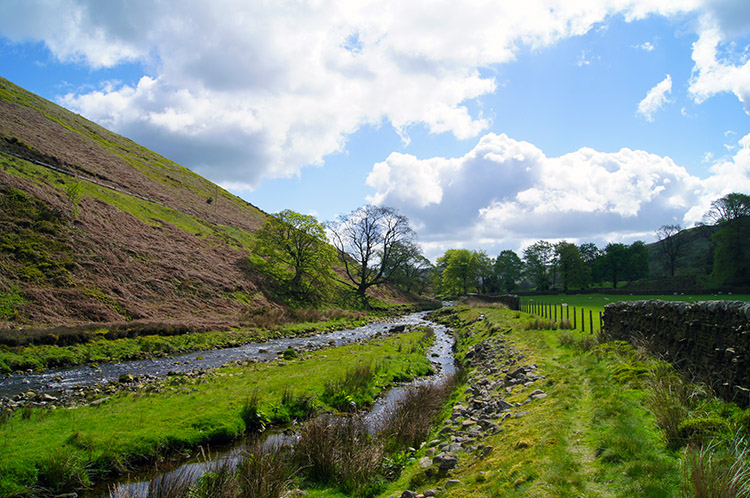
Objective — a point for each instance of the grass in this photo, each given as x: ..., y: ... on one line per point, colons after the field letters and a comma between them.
x: 592, y: 436
x: 72, y: 346
x: 133, y: 428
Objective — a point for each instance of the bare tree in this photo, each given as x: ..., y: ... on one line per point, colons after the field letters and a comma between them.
x: 670, y: 244
x: 366, y: 241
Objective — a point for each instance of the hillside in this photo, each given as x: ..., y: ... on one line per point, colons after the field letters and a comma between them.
x: 96, y: 228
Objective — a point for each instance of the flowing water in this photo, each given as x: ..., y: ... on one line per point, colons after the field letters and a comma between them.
x: 440, y: 354
x: 57, y: 381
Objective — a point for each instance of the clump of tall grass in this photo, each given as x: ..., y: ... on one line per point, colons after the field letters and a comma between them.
x: 336, y: 449
x: 255, y: 420
x: 263, y: 471
x: 293, y: 407
x: 541, y: 324
x: 409, y: 423
x: 668, y: 399
x: 714, y: 472
x: 63, y: 471
x: 348, y: 392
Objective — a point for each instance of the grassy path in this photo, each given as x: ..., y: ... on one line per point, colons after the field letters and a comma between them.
x: 590, y: 437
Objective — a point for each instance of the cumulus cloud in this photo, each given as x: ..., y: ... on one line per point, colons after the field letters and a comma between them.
x: 244, y: 90
x: 504, y: 193
x: 720, y: 66
x: 655, y: 99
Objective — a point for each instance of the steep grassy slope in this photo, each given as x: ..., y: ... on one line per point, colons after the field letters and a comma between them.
x: 113, y: 232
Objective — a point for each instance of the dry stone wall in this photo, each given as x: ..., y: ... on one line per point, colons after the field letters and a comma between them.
x: 709, y: 339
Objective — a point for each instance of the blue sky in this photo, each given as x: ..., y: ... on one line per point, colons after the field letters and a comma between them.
x: 489, y: 124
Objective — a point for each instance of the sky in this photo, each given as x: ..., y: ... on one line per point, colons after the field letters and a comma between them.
x: 489, y: 124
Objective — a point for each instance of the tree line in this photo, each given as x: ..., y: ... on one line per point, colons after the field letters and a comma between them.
x: 374, y: 245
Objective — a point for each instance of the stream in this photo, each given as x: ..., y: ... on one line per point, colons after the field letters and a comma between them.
x: 56, y: 381
x: 440, y: 354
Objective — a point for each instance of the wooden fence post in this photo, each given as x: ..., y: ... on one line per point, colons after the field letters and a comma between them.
x: 591, y: 320
x: 583, y: 320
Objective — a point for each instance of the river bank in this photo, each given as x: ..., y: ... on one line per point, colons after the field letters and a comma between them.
x: 133, y: 428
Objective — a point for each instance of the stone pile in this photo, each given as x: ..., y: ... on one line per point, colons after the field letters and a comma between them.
x: 496, y: 370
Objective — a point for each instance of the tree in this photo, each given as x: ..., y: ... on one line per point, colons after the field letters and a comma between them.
x: 538, y: 259
x: 593, y: 258
x: 485, y: 276
x: 670, y: 245
x: 415, y: 271
x: 637, y: 266
x: 616, y: 260
x: 366, y: 242
x: 460, y: 271
x: 729, y: 207
x: 731, y: 262
x: 573, y: 270
x: 508, y: 269
x: 297, y: 244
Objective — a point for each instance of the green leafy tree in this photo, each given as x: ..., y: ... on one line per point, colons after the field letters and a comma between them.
x: 297, y: 247
x: 367, y: 242
x: 459, y: 271
x: 616, y: 261
x: 485, y: 275
x: 538, y: 259
x: 731, y: 262
x: 573, y: 270
x: 729, y: 207
x: 414, y: 271
x: 638, y: 257
x: 508, y: 270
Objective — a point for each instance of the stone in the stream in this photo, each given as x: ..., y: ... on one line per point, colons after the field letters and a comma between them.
x: 408, y: 494
x: 425, y: 462
x: 452, y: 482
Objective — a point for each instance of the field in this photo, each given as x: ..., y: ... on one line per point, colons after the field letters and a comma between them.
x: 595, y: 303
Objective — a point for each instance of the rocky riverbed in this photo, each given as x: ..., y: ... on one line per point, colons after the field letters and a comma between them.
x: 94, y: 385
x: 496, y: 371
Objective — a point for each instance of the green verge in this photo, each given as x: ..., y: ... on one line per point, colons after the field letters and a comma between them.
x: 598, y: 433
x: 100, y: 349
x: 132, y: 428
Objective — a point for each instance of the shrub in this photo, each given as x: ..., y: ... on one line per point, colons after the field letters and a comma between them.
x: 412, y: 420
x: 668, y: 399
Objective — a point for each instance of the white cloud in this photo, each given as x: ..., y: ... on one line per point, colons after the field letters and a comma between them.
x: 646, y: 46
x: 655, y: 99
x: 243, y: 90
x: 505, y: 192
x: 719, y: 65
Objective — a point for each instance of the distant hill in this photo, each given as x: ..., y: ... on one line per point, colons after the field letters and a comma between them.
x: 96, y: 228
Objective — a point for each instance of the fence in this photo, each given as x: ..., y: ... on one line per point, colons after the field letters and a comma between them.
x: 576, y: 318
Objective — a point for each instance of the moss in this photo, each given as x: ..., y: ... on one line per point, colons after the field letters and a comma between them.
x: 703, y: 430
